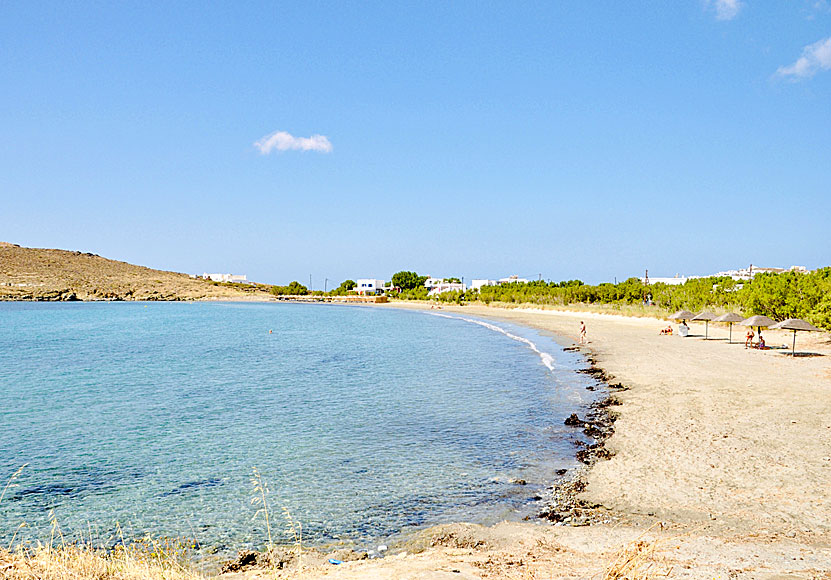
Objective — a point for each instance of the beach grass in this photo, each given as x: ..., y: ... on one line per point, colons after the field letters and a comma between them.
x: 152, y: 560
x: 145, y: 558
x: 637, y: 560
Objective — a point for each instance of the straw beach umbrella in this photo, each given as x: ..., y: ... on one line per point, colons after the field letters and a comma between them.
x: 759, y: 321
x: 706, y: 317
x: 729, y: 318
x: 682, y: 315
x: 795, y: 324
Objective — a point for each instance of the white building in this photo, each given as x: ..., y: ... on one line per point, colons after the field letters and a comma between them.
x: 369, y: 286
x: 512, y: 279
x: 738, y: 275
x: 238, y: 278
x: 432, y: 283
x: 476, y: 284
x: 676, y: 281
x: 748, y: 273
x: 447, y: 287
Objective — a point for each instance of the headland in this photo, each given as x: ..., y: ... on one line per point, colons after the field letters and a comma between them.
x: 36, y: 274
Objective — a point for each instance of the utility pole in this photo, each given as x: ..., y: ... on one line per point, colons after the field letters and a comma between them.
x: 325, y: 283
x: 310, y: 282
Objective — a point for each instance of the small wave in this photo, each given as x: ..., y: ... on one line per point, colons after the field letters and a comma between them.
x: 545, y: 357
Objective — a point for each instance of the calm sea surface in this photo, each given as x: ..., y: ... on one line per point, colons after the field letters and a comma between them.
x: 363, y: 421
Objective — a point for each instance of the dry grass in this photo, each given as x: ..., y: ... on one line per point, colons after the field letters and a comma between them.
x: 630, y: 310
x: 637, y: 560
x: 142, y: 562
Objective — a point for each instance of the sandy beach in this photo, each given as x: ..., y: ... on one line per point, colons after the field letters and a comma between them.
x: 720, y: 467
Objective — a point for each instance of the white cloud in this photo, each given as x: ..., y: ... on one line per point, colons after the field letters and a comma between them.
x: 727, y: 9
x: 283, y: 141
x: 815, y: 57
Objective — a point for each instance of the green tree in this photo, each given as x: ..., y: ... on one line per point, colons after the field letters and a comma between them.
x: 344, y: 288
x: 407, y: 280
x: 295, y: 288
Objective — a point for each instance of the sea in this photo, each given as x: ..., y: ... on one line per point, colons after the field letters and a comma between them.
x: 359, y: 423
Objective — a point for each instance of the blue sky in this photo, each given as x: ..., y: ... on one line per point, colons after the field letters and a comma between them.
x: 562, y: 139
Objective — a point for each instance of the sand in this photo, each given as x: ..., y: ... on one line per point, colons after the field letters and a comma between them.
x: 721, y: 467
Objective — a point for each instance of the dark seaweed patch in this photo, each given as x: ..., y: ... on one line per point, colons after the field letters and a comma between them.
x: 192, y: 485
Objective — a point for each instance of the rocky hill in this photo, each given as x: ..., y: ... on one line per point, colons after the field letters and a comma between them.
x: 40, y: 274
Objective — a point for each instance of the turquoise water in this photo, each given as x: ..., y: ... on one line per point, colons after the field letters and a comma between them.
x: 364, y: 421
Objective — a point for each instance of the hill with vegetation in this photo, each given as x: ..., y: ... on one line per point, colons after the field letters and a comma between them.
x: 48, y: 275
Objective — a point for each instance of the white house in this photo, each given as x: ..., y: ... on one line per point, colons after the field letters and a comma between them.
x: 447, y: 287
x: 476, y: 284
x: 676, y: 281
x: 742, y: 274
x: 369, y: 286
x: 749, y: 273
x: 238, y: 278
x: 511, y: 279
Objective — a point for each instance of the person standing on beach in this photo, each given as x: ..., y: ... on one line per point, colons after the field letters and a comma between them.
x: 582, y: 332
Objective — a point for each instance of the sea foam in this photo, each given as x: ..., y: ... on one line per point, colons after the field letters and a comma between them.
x: 545, y: 357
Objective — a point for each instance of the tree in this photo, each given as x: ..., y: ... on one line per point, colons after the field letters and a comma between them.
x: 344, y: 287
x: 407, y: 280
x: 296, y: 287
x: 293, y: 289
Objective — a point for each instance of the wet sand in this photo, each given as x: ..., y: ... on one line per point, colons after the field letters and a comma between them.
x: 720, y: 467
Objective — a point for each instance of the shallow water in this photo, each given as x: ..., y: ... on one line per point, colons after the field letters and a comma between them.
x: 363, y: 421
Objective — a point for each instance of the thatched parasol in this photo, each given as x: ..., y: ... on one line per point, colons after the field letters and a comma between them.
x: 759, y: 320
x: 682, y: 315
x: 706, y: 317
x: 729, y: 318
x: 795, y: 324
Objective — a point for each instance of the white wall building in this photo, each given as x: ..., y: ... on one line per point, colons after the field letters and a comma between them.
x: 748, y: 273
x: 511, y: 279
x: 239, y: 278
x: 740, y: 274
x: 476, y: 284
x: 676, y: 281
x: 369, y: 286
x: 447, y: 287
